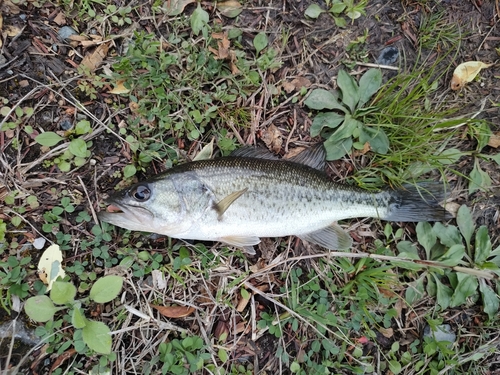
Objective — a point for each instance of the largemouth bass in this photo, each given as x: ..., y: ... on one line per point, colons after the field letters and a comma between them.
x: 251, y: 194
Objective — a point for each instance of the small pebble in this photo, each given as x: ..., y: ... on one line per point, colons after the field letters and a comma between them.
x: 65, y: 124
x: 65, y: 32
x: 39, y: 243
x: 388, y: 56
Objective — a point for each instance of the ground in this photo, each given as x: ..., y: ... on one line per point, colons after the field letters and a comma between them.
x: 135, y: 88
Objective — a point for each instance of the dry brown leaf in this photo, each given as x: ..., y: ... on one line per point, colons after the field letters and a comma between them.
x: 175, y: 7
x: 494, y: 140
x: 174, y: 311
x: 272, y: 138
x: 466, y: 72
x: 230, y: 9
x: 12, y: 31
x: 242, y: 304
x: 387, y: 332
x: 300, y: 82
x: 288, y: 87
x: 60, y: 19
x: 1, y: 21
x: 223, y: 43
x: 8, y: 7
x: 78, y: 38
x: 120, y: 88
x: 94, y: 59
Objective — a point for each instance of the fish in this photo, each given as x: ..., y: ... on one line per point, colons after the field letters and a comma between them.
x: 251, y: 194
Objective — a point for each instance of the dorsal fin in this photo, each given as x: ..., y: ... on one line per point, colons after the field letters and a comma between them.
x: 314, y: 157
x: 253, y: 152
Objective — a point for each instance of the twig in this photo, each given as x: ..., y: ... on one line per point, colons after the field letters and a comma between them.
x: 371, y: 65
x: 94, y: 215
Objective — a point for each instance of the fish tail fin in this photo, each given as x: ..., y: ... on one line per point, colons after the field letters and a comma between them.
x: 419, y: 202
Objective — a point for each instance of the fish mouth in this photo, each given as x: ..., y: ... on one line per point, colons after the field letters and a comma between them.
x: 128, y: 217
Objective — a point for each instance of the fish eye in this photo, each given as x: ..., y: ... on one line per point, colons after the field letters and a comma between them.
x: 141, y: 193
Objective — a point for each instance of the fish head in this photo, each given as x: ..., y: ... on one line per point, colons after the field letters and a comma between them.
x: 153, y: 206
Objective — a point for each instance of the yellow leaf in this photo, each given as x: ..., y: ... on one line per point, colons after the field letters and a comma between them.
x: 466, y: 72
x: 230, y: 9
x: 50, y: 265
x: 120, y: 88
x: 175, y: 7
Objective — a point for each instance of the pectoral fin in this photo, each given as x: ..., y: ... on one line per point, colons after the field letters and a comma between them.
x: 224, y: 204
x: 244, y: 242
x: 333, y: 237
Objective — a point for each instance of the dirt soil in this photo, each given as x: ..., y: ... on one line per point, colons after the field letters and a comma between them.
x: 38, y: 70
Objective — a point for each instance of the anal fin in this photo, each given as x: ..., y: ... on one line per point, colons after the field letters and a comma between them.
x: 333, y: 237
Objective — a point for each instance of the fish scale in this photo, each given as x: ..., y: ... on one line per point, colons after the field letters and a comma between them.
x: 239, y: 199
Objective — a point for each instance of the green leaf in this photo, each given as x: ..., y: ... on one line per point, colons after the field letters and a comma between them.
x: 313, y: 11
x: 337, y: 8
x: 340, y: 22
x: 244, y: 293
x: 448, y: 235
x: 223, y: 355
x: 490, y: 299
x: 496, y: 158
x: 346, y: 129
x: 199, y: 19
x: 40, y: 308
x: 97, y: 337
x: 106, y: 288
x: 465, y: 223
x: 443, y: 294
x: 129, y: 171
x: 426, y: 237
x: 83, y: 127
x: 325, y: 119
x: 337, y: 148
x: 483, y: 135
x: 466, y: 287
x: 78, y: 147
x: 350, y: 90
x: 376, y: 138
x: 78, y: 319
x: 323, y: 99
x: 369, y: 84
x: 394, y: 366
x: 62, y: 292
x: 415, y: 291
x: 482, y: 245
x: 453, y: 257
x: 449, y: 156
x: 479, y: 179
x: 48, y: 139
x: 260, y: 42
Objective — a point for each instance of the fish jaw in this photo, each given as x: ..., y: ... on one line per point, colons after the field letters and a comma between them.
x: 128, y: 217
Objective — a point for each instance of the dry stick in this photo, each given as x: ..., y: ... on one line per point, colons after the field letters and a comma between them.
x: 370, y: 65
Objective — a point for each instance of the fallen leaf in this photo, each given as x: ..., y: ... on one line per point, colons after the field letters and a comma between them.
x: 60, y: 19
x: 8, y: 7
x: 387, y: 332
x: 1, y: 21
x: 175, y: 7
x: 93, y: 60
x: 223, y: 44
x: 230, y: 9
x: 174, y: 311
x: 50, y: 265
x: 494, y: 140
x: 120, y: 88
x: 272, y: 138
x: 300, y: 82
x: 466, y: 72
x: 12, y: 31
